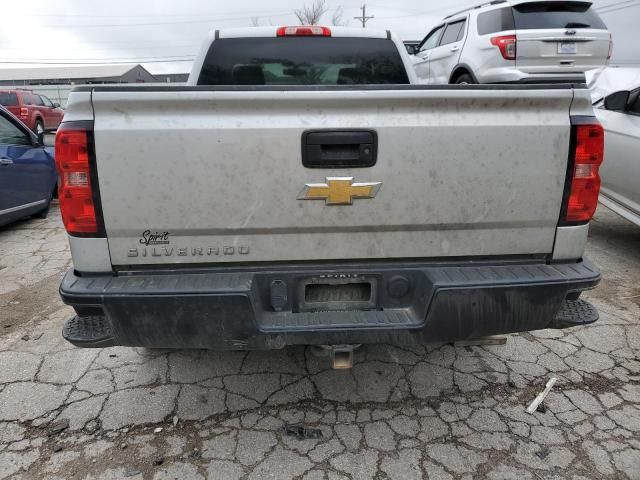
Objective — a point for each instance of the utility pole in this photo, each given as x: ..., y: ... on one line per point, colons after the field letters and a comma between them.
x: 364, y: 19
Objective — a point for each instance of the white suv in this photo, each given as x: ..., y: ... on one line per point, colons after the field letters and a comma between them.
x: 515, y: 41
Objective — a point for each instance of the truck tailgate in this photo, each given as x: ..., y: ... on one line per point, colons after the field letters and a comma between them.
x: 192, y: 175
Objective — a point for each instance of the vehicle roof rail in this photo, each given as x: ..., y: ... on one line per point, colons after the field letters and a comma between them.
x: 493, y: 2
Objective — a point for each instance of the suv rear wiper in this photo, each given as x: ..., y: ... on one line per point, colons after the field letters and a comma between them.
x: 577, y: 25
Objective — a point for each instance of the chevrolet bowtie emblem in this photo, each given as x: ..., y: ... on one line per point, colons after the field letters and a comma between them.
x: 339, y: 190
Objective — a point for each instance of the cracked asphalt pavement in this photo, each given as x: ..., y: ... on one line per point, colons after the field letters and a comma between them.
x: 439, y: 412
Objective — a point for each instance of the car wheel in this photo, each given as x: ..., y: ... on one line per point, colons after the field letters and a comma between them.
x: 44, y: 212
x: 464, y: 79
x: 38, y: 129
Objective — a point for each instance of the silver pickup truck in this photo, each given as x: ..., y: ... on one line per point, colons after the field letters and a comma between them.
x: 300, y: 190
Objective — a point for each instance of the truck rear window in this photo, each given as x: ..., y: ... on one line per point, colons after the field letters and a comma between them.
x: 302, y: 61
x: 8, y: 99
x: 538, y: 15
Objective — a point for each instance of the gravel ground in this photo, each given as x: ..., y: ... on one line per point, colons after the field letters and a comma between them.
x: 440, y: 412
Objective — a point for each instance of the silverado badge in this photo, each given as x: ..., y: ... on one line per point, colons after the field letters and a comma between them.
x: 339, y: 191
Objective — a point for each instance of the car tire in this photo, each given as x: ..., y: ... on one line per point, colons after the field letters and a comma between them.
x: 38, y: 128
x: 45, y: 211
x: 464, y: 79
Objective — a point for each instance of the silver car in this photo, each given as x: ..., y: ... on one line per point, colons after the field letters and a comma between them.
x: 514, y: 41
x: 619, y: 114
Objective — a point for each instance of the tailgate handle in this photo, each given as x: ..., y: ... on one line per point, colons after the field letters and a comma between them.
x: 339, y: 148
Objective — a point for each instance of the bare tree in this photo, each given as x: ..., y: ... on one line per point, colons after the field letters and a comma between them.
x: 255, y: 21
x: 336, y: 18
x: 311, y: 15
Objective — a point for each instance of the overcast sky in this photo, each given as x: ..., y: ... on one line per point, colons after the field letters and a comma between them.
x: 158, y: 30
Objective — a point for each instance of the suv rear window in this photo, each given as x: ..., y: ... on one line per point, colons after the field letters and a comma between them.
x: 537, y: 15
x: 493, y: 21
x: 8, y: 99
x: 302, y: 61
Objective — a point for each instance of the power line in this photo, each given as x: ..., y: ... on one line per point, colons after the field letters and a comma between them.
x: 153, y: 24
x: 621, y: 7
x: 430, y: 12
x: 417, y: 12
x: 614, y: 4
x: 394, y: 7
x: 364, y: 19
x: 604, y: 9
x: 169, y: 14
x: 618, y: 6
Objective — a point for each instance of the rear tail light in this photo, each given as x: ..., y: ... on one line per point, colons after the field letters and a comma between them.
x: 74, y: 183
x: 24, y: 112
x: 588, y: 154
x: 610, y: 47
x: 304, y: 31
x: 507, y: 45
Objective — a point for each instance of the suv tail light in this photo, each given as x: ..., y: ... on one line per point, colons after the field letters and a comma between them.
x: 74, y: 183
x: 610, y: 47
x: 304, y: 31
x: 587, y: 156
x: 507, y: 45
x: 24, y: 112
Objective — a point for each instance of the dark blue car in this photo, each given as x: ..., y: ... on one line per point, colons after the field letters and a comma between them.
x: 27, y: 171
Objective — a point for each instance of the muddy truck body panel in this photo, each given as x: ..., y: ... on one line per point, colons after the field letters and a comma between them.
x: 458, y: 176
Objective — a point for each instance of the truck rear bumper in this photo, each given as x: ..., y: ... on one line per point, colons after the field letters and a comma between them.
x: 375, y: 302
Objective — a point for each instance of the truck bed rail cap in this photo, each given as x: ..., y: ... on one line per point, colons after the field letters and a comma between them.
x: 320, y: 88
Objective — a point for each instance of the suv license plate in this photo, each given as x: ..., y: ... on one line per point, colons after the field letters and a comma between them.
x: 567, y: 48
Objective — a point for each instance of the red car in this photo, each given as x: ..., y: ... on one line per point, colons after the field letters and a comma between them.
x: 36, y: 111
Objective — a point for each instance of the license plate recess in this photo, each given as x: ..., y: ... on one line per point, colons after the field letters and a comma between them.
x: 567, y: 48
x: 337, y: 292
